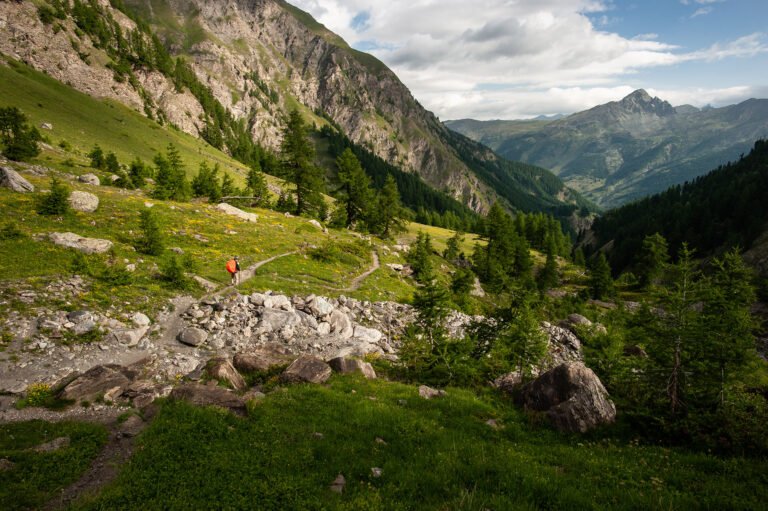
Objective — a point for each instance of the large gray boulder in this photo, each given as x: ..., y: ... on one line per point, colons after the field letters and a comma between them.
x: 572, y: 397
x: 83, y: 201
x: 193, y: 336
x: 86, y: 245
x: 352, y: 365
x: 320, y: 307
x: 307, y: 369
x: 370, y: 335
x: 209, y: 395
x: 110, y: 380
x: 91, y: 179
x: 222, y: 370
x: 128, y: 336
x: 239, y: 213
x: 11, y: 179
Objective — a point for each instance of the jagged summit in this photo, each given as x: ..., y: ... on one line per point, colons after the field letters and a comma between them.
x: 642, y: 102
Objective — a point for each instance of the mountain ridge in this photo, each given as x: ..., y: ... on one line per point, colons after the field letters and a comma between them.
x: 623, y: 150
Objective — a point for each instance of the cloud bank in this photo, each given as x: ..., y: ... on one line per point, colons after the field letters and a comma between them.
x: 512, y: 59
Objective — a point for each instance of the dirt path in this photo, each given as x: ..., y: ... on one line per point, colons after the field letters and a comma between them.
x: 355, y: 285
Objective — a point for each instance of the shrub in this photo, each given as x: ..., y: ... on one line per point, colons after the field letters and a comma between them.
x: 56, y: 201
x: 11, y: 231
x: 172, y: 273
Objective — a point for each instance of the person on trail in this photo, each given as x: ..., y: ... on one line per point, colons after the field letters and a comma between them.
x: 233, y: 267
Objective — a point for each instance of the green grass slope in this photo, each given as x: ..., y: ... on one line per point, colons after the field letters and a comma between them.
x: 433, y: 455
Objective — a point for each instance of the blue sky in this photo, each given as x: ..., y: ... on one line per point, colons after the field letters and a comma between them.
x: 507, y: 59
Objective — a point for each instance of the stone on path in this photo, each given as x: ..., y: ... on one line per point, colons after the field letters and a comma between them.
x: 193, y: 336
x: 85, y: 245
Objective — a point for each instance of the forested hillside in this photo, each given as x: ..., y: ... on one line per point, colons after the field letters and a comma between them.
x: 726, y: 208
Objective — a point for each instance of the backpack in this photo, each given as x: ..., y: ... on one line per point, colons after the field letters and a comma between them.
x: 231, y: 266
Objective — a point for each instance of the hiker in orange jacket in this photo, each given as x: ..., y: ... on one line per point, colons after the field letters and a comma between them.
x: 233, y: 267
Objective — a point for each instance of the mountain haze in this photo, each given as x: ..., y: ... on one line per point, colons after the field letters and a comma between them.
x: 261, y: 58
x: 624, y: 150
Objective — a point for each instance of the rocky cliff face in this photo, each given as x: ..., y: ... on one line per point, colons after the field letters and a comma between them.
x: 260, y: 58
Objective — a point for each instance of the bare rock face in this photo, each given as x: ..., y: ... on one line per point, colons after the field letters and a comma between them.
x: 352, y: 365
x: 221, y: 369
x: 12, y: 180
x: 207, y: 395
x: 306, y: 369
x: 101, y: 380
x: 571, y: 396
x: 86, y: 245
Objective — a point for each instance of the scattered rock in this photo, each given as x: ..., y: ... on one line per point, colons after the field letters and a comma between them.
x: 338, y: 484
x: 9, y: 178
x: 307, y: 369
x: 370, y: 335
x: 428, y: 392
x: 86, y: 245
x: 221, y: 369
x: 320, y: 307
x: 98, y: 381
x: 129, y: 337
x: 207, y: 395
x: 572, y: 397
x: 46, y: 126
x: 140, y: 319
x: 239, y: 213
x: 340, y: 324
x: 91, y: 179
x: 376, y: 472
x: 352, y: 365
x: 274, y: 320
x: 493, y: 423
x: 193, y: 336
x: 6, y: 465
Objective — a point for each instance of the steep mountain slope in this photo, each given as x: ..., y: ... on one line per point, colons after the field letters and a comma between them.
x: 258, y: 59
x: 727, y: 207
x: 623, y: 150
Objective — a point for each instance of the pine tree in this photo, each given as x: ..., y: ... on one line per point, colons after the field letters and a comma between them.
x: 137, y: 173
x: 97, y: 158
x: 578, y: 257
x: 151, y: 240
x: 357, y: 197
x: 297, y: 155
x: 548, y: 277
x: 453, y: 246
x: 600, y: 279
x: 170, y: 177
x: 653, y: 258
x: 56, y: 201
x: 257, y: 185
x: 419, y: 257
x: 227, y: 185
x: 111, y: 164
x: 19, y: 140
x: 389, y: 211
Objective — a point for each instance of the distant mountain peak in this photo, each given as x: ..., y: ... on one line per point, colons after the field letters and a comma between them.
x: 640, y: 101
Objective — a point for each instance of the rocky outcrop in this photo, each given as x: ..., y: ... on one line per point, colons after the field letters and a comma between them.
x: 83, y: 201
x: 571, y: 396
x: 86, y: 245
x: 12, y: 180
